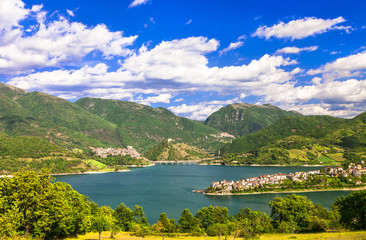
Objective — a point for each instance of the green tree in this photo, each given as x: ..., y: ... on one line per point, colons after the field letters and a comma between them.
x: 208, y: 216
x: 297, y: 213
x: 253, y: 223
x: 352, y: 210
x: 125, y: 217
x: 32, y: 205
x: 139, y: 216
x: 187, y: 222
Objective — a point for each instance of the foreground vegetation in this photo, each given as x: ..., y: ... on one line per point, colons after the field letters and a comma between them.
x: 31, y: 205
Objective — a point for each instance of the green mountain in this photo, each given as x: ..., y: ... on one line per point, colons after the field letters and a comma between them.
x: 170, y: 150
x: 307, y: 139
x: 240, y: 119
x: 143, y: 127
x: 55, y: 119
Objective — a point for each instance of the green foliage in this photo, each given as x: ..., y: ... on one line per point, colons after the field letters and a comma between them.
x: 31, y: 204
x: 352, y: 210
x: 187, y: 222
x: 297, y: 213
x: 25, y: 147
x: 208, y: 216
x: 143, y: 126
x: 253, y: 223
x: 173, y: 151
x: 240, y: 119
x: 124, y: 216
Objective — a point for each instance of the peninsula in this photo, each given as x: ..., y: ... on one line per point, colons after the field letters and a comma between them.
x: 330, y: 178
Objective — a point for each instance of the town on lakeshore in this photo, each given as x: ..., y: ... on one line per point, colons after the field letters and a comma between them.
x: 328, y: 178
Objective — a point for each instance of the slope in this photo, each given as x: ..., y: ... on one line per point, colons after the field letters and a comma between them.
x: 143, y: 126
x: 241, y: 118
x: 169, y: 150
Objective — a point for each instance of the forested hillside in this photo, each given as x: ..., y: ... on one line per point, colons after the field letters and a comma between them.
x: 241, y: 118
x: 307, y: 139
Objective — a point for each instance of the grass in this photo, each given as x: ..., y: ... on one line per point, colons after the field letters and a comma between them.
x: 96, y: 163
x: 304, y: 236
x: 336, y: 156
x: 325, y: 160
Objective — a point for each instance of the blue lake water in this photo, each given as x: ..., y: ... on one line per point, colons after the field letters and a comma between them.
x: 168, y: 188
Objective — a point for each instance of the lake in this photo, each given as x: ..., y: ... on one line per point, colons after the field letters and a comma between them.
x: 168, y: 188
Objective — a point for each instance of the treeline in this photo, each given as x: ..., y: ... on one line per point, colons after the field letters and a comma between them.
x: 31, y: 205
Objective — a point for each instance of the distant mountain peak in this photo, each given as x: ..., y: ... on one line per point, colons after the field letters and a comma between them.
x: 11, y: 91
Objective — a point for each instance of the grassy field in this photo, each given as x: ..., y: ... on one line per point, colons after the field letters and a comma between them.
x: 308, y: 236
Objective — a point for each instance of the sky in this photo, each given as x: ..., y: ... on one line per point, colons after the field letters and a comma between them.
x: 192, y: 57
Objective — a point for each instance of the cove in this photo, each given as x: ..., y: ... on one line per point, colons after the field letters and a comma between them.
x: 168, y: 188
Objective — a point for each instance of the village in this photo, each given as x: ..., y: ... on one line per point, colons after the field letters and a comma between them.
x: 355, y: 170
x: 104, y: 152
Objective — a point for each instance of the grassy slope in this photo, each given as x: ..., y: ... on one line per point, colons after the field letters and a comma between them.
x: 307, y: 126
x: 174, y: 151
x: 143, y: 126
x: 241, y: 119
x: 310, y: 139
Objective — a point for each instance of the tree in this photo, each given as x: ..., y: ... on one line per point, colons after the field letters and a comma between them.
x: 352, y: 210
x: 218, y: 229
x: 209, y: 216
x: 124, y: 216
x: 253, y: 223
x: 139, y: 216
x: 297, y: 213
x: 187, y: 222
x: 32, y: 205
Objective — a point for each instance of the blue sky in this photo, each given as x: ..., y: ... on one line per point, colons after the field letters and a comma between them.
x: 192, y: 57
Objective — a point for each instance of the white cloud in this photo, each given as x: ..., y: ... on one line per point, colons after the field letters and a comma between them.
x: 183, y: 61
x: 232, y: 46
x: 161, y: 98
x: 301, y: 28
x: 53, y: 43
x: 85, y: 77
x: 11, y: 12
x: 136, y: 3
x: 71, y: 13
x: 179, y: 100
x: 201, y: 110
x: 295, y: 50
x: 349, y: 66
x: 189, y: 21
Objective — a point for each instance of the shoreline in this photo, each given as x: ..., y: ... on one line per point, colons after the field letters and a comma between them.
x: 290, y: 191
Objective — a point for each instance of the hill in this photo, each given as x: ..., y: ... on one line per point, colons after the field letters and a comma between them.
x: 143, y: 127
x: 169, y: 150
x: 304, y: 139
x: 240, y: 119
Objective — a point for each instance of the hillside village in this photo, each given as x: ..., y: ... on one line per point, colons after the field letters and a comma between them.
x: 355, y: 170
x: 104, y: 152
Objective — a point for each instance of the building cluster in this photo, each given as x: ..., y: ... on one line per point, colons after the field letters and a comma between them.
x: 353, y: 169
x: 245, y: 184
x: 104, y: 152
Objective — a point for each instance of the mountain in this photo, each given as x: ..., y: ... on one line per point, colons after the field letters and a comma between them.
x: 143, y: 126
x: 170, y: 150
x: 307, y: 139
x: 240, y: 119
x: 55, y: 119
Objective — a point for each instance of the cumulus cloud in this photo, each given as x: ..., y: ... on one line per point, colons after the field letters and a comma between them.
x: 295, y: 50
x: 201, y: 110
x: 232, y: 46
x: 85, y: 77
x: 136, y: 3
x: 301, y: 28
x: 161, y: 98
x: 53, y: 43
x: 350, y: 66
x: 184, y: 61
